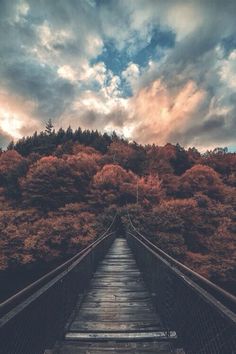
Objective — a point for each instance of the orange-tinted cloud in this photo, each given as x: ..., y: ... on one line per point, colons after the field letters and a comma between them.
x: 158, y: 112
x: 16, y: 116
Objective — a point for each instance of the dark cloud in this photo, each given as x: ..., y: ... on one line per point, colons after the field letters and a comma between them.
x: 40, y: 83
x: 115, y: 120
x: 217, y: 130
x: 214, y: 123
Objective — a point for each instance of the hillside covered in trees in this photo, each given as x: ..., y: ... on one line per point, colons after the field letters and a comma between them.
x: 58, y: 190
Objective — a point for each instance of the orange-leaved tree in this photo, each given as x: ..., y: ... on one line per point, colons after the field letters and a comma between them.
x: 130, y: 157
x: 28, y: 237
x: 113, y: 185
x: 49, y: 184
x: 12, y: 166
x: 203, y: 179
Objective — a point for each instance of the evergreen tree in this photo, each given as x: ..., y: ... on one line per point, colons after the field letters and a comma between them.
x: 10, y: 145
x: 49, y: 127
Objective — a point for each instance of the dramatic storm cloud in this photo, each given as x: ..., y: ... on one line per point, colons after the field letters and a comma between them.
x: 155, y: 71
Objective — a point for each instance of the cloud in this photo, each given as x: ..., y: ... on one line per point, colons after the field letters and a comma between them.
x: 103, y: 109
x: 228, y: 70
x: 155, y: 70
x: 67, y: 72
x: 184, y: 18
x: 41, y: 84
x: 131, y: 75
x: 197, y: 57
x: 16, y: 116
x: 160, y: 113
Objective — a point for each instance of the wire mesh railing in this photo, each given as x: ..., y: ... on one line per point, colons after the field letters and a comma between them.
x: 32, y: 320
x: 204, y: 323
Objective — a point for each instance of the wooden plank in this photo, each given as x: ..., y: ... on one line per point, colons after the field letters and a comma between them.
x: 102, y: 303
x: 111, y: 347
x: 116, y: 316
x: 121, y: 301
x: 118, y: 293
x: 121, y: 336
x: 116, y: 283
x: 119, y: 287
x: 113, y: 326
x: 116, y: 310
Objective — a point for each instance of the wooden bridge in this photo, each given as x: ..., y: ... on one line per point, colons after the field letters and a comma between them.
x: 121, y: 294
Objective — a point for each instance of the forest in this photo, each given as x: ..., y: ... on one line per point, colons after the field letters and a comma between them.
x: 59, y: 189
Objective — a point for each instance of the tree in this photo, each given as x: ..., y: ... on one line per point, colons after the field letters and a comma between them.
x: 194, y: 156
x: 149, y: 190
x: 84, y: 166
x: 180, y: 161
x: 156, y: 161
x: 203, y: 179
x: 65, y: 148
x: 218, y: 262
x: 49, y: 184
x: 29, y: 238
x: 123, y: 154
x: 222, y: 162
x: 15, y: 226
x: 113, y: 184
x: 162, y: 226
x: 78, y: 148
x: 12, y: 166
x: 60, y: 236
x: 10, y: 146
x: 52, y: 182
x: 49, y: 127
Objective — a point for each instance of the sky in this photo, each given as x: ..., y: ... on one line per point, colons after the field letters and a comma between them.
x: 156, y: 71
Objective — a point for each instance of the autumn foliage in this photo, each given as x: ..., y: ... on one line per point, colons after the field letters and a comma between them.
x: 56, y: 190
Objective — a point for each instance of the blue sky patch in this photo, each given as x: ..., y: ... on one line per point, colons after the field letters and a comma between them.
x: 159, y: 39
x: 228, y: 44
x: 117, y: 61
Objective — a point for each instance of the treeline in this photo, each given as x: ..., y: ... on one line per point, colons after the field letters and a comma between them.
x: 46, y: 142
x: 59, y: 189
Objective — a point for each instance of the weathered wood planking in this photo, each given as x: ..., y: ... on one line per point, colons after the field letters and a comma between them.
x: 114, y: 348
x: 117, y: 305
x: 121, y: 289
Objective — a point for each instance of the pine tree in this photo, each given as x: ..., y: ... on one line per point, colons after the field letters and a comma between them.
x: 11, y: 146
x: 49, y: 127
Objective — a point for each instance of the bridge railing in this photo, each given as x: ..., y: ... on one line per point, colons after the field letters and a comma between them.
x: 33, y: 319
x: 201, y: 313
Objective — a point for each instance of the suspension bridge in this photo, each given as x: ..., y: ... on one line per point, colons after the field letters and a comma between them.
x: 121, y: 294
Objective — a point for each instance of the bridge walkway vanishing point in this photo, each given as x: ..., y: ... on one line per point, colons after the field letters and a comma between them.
x: 117, y: 314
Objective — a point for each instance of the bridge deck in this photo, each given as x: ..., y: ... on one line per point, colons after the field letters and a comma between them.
x: 116, y: 315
